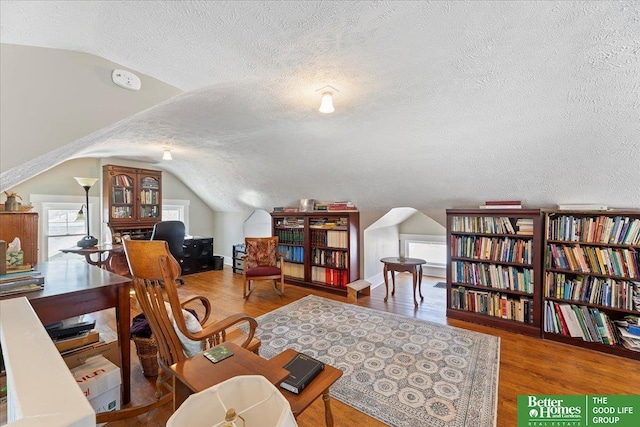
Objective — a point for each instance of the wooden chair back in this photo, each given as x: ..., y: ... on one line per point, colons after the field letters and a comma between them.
x: 154, y: 272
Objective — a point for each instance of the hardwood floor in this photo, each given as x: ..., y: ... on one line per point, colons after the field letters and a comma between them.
x: 527, y: 365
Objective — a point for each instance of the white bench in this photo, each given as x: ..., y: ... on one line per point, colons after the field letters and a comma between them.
x: 353, y: 288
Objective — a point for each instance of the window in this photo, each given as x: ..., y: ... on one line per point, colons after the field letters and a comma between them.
x: 176, y: 210
x: 58, y: 227
x: 62, y: 228
x: 433, y: 249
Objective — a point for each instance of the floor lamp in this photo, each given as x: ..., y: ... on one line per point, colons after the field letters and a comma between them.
x: 87, y: 241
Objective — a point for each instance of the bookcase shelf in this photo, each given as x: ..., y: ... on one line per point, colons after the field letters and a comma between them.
x: 494, y: 274
x: 320, y: 248
x: 132, y: 200
x: 591, y: 277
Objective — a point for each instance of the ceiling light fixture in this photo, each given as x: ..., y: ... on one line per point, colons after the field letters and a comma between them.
x: 167, y: 154
x: 326, y: 105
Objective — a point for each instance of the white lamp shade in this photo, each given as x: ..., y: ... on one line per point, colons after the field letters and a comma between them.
x: 326, y: 105
x: 258, y: 401
x: 86, y: 182
x: 167, y: 155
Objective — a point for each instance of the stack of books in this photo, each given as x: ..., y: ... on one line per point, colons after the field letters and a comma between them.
x: 341, y: 206
x: 525, y: 226
x: 502, y: 204
x: 629, y: 333
x: 582, y: 207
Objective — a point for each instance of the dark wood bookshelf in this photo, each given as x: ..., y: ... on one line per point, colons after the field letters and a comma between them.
x: 132, y: 200
x: 308, y: 231
x: 578, y: 235
x: 466, y: 223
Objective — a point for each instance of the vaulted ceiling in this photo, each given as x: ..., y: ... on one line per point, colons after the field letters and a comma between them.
x: 440, y: 104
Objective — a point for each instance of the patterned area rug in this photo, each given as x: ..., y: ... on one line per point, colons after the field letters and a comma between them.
x: 399, y: 370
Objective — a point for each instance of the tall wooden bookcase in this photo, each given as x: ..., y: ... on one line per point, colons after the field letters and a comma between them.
x: 132, y: 200
x: 320, y: 248
x: 494, y: 275
x: 592, y: 269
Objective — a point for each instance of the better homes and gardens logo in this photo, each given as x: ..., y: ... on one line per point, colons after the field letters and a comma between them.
x: 578, y: 411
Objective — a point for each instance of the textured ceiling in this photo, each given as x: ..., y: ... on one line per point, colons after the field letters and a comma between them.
x: 441, y: 104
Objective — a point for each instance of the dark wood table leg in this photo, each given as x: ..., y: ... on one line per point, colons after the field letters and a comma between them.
x: 393, y: 280
x: 420, y: 282
x: 123, y: 321
x: 386, y: 282
x: 415, y: 282
x: 328, y: 416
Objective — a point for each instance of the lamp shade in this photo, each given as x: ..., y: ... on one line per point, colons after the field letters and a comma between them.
x: 326, y: 105
x: 252, y: 397
x: 167, y: 155
x: 86, y: 182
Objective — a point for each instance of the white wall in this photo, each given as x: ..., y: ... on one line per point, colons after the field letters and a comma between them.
x: 52, y: 97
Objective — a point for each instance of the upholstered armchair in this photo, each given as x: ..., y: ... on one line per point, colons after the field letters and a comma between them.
x: 263, y: 262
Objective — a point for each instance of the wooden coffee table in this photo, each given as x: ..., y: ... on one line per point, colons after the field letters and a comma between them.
x: 316, y: 388
x: 198, y: 373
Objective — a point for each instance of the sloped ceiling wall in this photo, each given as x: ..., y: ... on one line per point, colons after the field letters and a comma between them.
x: 441, y: 104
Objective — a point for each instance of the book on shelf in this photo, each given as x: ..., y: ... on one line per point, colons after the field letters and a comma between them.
x: 582, y: 207
x: 500, y: 206
x: 302, y: 369
x: 502, y: 202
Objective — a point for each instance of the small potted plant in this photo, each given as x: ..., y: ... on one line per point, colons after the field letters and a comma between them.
x: 11, y: 204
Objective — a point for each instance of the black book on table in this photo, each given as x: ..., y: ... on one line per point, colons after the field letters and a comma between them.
x: 302, y: 369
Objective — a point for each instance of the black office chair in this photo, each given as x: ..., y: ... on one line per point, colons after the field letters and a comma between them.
x: 173, y: 233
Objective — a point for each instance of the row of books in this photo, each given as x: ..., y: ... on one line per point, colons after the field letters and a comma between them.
x: 503, y: 249
x: 290, y: 235
x: 580, y: 321
x: 595, y: 290
x: 589, y: 259
x: 330, y: 258
x: 482, y: 224
x: 290, y: 222
x: 121, y: 212
x: 149, y: 211
x: 596, y: 229
x: 330, y: 276
x: 292, y: 253
x: 122, y: 181
x: 493, y: 304
x: 330, y: 238
x: 294, y: 270
x: 334, y: 206
x: 150, y: 183
x: 493, y: 276
x: 328, y: 223
x: 148, y: 197
x: 122, y: 196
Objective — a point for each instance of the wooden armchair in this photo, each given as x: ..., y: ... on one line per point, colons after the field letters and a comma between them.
x: 150, y: 263
x: 263, y: 262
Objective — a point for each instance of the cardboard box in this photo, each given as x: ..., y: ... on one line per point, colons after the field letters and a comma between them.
x: 100, y: 382
x: 76, y: 357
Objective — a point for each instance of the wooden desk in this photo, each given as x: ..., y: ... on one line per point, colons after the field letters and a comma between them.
x: 111, y: 263
x: 73, y: 287
x: 413, y: 265
x: 319, y: 386
x: 199, y: 373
